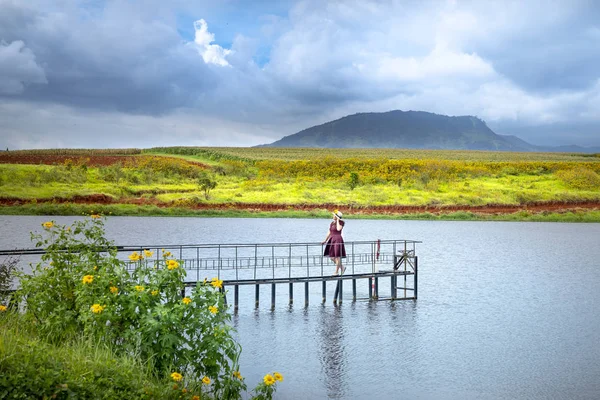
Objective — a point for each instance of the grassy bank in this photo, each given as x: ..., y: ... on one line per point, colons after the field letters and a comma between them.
x: 353, y: 178
x: 32, y: 367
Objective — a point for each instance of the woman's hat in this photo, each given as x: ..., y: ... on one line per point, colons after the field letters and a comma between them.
x: 338, y: 213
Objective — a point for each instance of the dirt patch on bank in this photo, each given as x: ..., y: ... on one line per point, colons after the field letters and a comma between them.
x: 348, y: 209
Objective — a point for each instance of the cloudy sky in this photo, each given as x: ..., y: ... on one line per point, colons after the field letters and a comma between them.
x: 127, y: 73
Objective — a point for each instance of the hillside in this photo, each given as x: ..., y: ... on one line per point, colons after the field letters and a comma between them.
x: 406, y: 129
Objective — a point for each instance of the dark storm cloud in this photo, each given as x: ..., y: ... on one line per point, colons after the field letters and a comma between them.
x: 124, y: 63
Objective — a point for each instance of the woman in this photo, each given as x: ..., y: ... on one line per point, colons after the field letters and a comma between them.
x: 334, y: 248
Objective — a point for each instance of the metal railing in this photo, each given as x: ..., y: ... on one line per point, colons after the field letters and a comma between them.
x: 265, y: 260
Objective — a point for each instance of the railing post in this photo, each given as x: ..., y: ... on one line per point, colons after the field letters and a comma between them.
x: 236, y: 263
x: 255, y: 259
x: 219, y: 264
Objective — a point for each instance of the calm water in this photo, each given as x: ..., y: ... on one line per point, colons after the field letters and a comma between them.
x: 505, y: 310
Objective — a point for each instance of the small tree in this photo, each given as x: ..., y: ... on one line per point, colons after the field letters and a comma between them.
x: 353, y: 180
x: 206, y: 185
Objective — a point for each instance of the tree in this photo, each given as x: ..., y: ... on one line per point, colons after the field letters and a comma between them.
x: 353, y: 180
x: 206, y: 185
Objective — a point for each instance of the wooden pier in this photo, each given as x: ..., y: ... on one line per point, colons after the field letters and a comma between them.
x: 387, y: 269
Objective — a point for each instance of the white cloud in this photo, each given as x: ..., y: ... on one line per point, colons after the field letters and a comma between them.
x: 18, y: 68
x: 211, y: 53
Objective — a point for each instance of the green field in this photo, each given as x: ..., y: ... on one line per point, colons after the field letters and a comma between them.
x: 357, y: 178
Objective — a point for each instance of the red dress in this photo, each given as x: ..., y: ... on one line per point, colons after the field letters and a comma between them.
x: 335, y: 245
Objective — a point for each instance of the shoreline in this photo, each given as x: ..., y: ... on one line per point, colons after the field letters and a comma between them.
x: 583, y: 212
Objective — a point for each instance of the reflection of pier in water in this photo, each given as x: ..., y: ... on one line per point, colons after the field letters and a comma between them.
x: 368, y: 263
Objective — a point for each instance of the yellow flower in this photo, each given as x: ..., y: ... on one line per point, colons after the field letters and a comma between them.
x: 95, y: 268
x: 186, y: 300
x: 184, y: 390
x: 206, y: 380
x: 48, y: 224
x: 196, y: 397
x: 176, y: 376
x: 166, y: 253
x: 139, y: 288
x: 237, y: 374
x: 97, y: 308
x: 172, y: 264
x: 213, y: 309
x: 278, y: 376
x: 88, y: 279
x: 96, y: 216
x: 114, y: 289
x: 135, y: 256
x: 216, y: 282
x: 148, y: 253
x: 269, y: 380
x: 154, y: 292
x: 2, y: 308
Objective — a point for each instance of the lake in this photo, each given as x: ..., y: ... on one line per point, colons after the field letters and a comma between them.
x: 506, y: 310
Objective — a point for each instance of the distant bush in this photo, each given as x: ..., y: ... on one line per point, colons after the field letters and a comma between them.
x: 580, y: 178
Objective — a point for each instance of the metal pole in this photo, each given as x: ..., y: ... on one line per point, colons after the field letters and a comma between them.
x: 255, y: 259
x: 291, y: 293
x: 369, y: 281
x: 272, y: 296
x: 290, y: 262
x: 341, y: 282
x: 376, y: 287
x: 324, y: 290
x: 256, y: 295
x: 197, y: 264
x: 353, y: 259
x: 219, y: 265
x: 337, y: 290
x: 236, y: 263
x: 224, y: 294
x: 236, y: 296
x: 393, y: 287
x: 353, y: 289
x: 415, y: 291
x: 306, y: 294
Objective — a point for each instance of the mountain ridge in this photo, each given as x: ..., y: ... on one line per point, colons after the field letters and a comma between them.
x: 411, y: 129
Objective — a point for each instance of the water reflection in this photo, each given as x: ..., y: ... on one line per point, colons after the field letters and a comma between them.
x: 333, y: 356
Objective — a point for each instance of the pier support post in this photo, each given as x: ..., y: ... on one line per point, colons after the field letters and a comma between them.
x: 224, y: 295
x: 236, y: 297
x: 416, y: 264
x: 305, y: 294
x: 353, y: 289
x: 291, y: 293
x: 337, y: 290
x: 370, y: 284
x: 393, y: 287
x: 341, y: 284
x: 272, y: 296
x: 324, y: 291
x: 376, y: 294
x: 256, y: 295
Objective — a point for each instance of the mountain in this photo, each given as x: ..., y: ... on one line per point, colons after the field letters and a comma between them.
x: 406, y: 129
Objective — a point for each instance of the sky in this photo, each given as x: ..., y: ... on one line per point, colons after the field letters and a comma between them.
x: 127, y: 73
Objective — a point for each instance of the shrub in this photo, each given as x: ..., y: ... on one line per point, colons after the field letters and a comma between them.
x: 8, y: 267
x: 353, y: 180
x: 580, y: 178
x: 80, y: 287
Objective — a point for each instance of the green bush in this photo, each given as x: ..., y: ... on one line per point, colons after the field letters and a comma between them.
x: 580, y: 178
x: 82, y: 288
